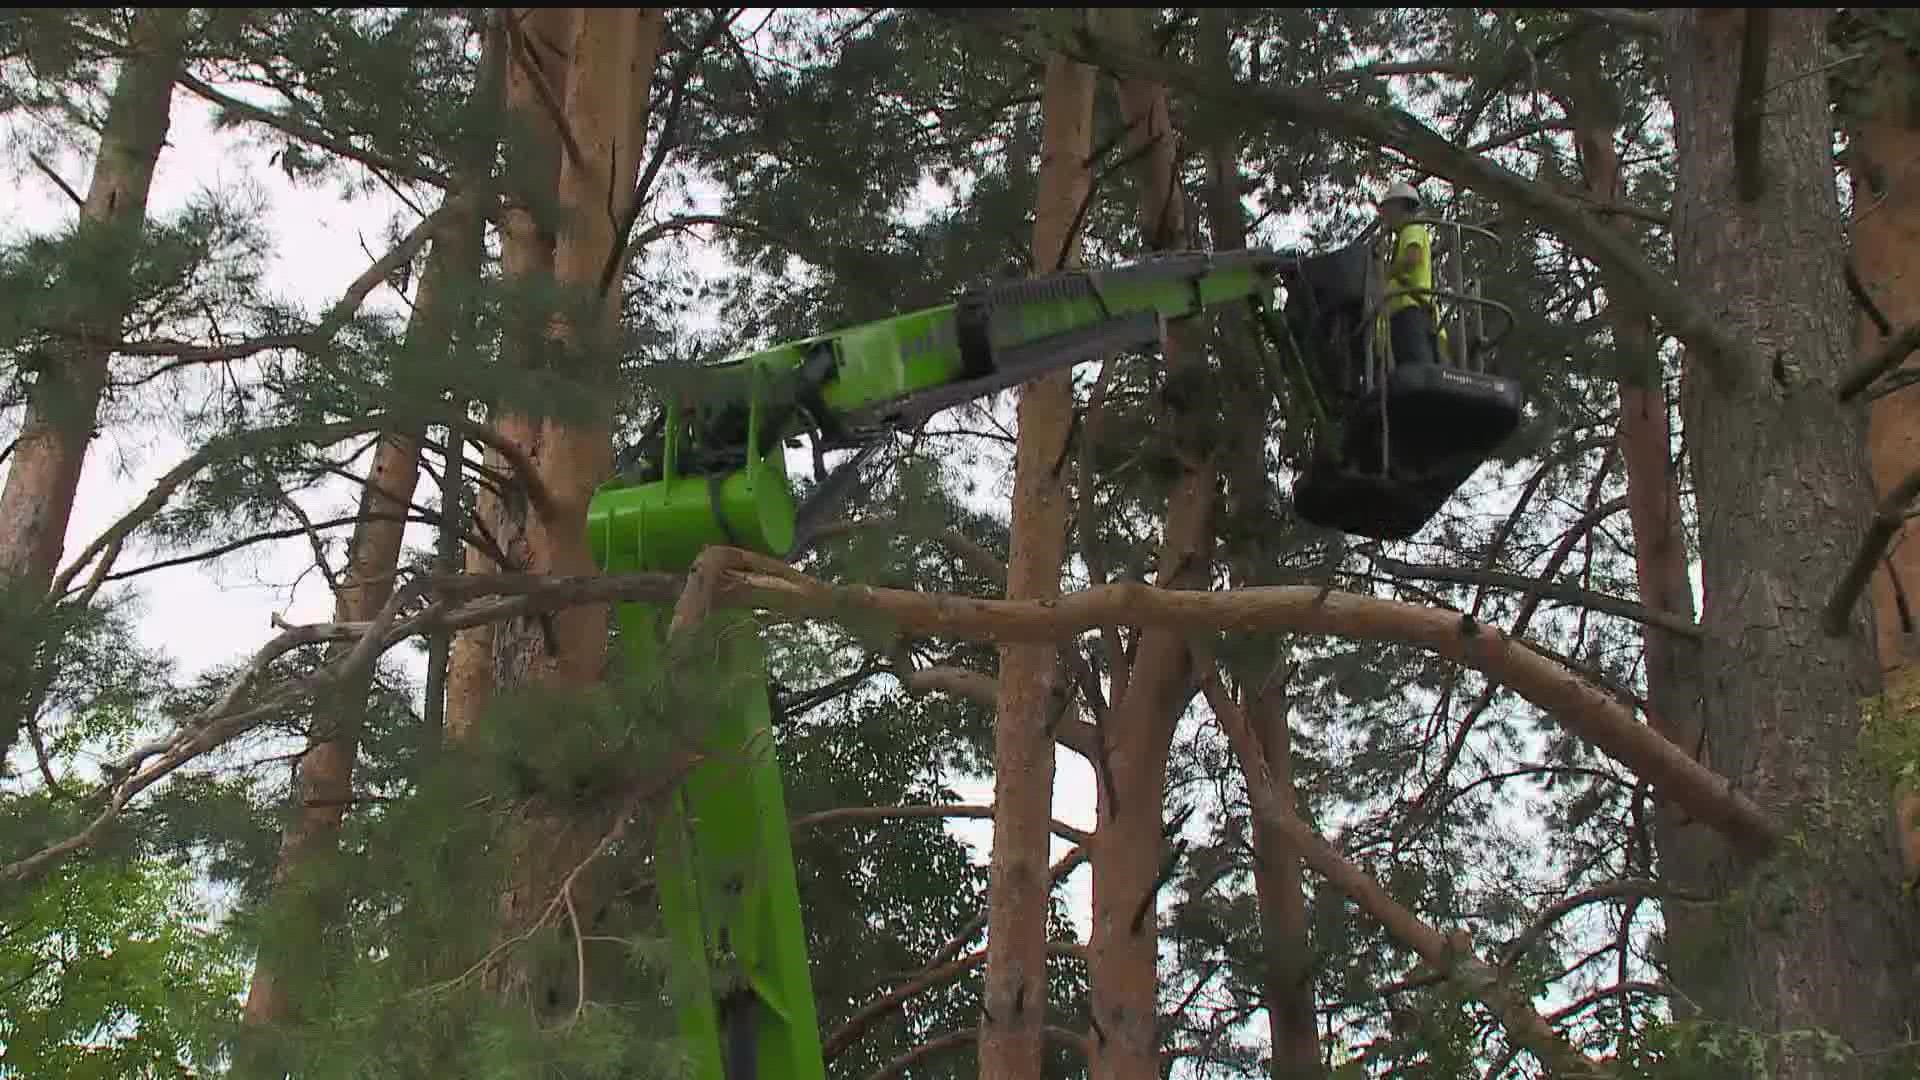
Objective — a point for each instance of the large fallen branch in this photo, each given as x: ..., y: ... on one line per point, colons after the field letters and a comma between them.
x: 1450, y: 955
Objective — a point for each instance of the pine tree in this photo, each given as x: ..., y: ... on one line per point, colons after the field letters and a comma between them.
x: 69, y: 363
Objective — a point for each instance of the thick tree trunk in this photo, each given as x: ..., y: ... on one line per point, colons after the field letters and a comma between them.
x: 613, y: 54
x: 1287, y: 966
x: 44, y: 472
x: 544, y: 51
x: 1128, y: 846
x: 1820, y: 940
x: 1013, y: 1025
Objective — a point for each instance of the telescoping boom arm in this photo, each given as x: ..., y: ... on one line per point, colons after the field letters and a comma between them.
x: 718, y: 476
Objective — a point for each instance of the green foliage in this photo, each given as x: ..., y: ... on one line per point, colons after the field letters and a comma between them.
x: 109, y: 971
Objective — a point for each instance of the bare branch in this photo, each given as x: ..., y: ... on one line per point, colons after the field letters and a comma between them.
x: 1065, y: 865
x: 953, y: 1040
x: 947, y: 810
x: 1613, y: 890
x: 307, y: 133
x: 1612, y: 605
x: 1887, y: 521
x: 1641, y: 23
x: 549, y: 99
x: 1588, y: 1001
x: 1588, y: 711
x: 1451, y: 954
x: 1890, y: 356
x: 1455, y: 68
x: 623, y: 250
x: 928, y: 979
x: 58, y: 181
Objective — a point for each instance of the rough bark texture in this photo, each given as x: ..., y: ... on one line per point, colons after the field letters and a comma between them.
x: 1819, y: 940
x: 1013, y: 1025
x: 1127, y: 847
x: 613, y: 53
x: 526, y: 256
x: 44, y: 471
x: 1884, y: 160
x: 1286, y: 963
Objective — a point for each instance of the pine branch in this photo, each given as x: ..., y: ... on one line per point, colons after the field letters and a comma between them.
x: 308, y: 133
x: 669, y: 140
x: 1611, y: 605
x: 1612, y: 890
x: 1888, y: 519
x: 222, y: 721
x: 944, y: 810
x: 58, y: 181
x: 1890, y: 356
x: 107, y: 545
x: 1451, y: 954
x: 931, y: 978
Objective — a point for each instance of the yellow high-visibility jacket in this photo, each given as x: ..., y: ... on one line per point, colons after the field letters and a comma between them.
x: 1409, y: 287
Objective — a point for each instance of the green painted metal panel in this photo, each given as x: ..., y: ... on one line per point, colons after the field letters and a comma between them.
x: 728, y: 893
x: 663, y: 526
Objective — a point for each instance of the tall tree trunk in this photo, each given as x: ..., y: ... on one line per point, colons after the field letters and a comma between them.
x: 613, y: 54
x: 1820, y: 940
x: 1287, y: 966
x: 1127, y: 848
x: 44, y: 472
x: 1884, y: 160
x: 1013, y: 1027
x: 543, y: 51
x: 1645, y: 439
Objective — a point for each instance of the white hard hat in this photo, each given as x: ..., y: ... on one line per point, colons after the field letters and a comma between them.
x: 1401, y: 191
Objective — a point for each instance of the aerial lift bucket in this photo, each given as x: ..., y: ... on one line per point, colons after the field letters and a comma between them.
x: 663, y: 525
x: 1411, y: 434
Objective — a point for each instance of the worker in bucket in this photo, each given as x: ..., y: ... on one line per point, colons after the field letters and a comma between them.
x: 1408, y: 311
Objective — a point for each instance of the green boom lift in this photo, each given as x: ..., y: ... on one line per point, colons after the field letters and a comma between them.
x: 712, y: 470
